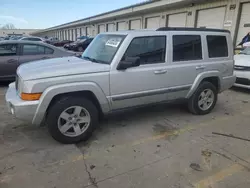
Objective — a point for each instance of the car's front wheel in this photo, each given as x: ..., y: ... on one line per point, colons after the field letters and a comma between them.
x: 72, y: 119
x: 204, y: 99
x: 80, y: 49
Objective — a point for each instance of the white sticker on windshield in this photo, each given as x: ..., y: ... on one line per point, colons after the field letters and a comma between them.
x: 114, y: 42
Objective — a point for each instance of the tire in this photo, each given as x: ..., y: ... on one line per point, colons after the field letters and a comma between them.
x: 193, y: 103
x: 67, y: 105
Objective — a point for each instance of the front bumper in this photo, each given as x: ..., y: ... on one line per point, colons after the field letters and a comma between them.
x: 243, y: 79
x: 24, y: 110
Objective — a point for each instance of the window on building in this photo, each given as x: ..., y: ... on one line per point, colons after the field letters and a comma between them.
x: 187, y: 47
x: 8, y: 49
x: 217, y: 46
x: 149, y: 49
x: 32, y: 49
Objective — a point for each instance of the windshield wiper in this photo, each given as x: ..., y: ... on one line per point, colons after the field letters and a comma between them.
x: 92, y: 59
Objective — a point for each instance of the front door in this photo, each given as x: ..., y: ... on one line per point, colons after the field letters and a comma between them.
x: 146, y: 83
x: 8, y: 61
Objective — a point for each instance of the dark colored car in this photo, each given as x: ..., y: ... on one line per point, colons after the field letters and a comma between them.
x: 15, y: 52
x: 79, y: 45
x: 61, y: 43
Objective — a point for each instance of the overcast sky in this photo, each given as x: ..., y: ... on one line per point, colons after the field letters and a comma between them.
x: 39, y: 14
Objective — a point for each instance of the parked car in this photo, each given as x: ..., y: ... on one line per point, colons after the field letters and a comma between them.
x: 61, y: 43
x: 121, y: 70
x: 13, y: 53
x: 51, y: 40
x: 2, y: 38
x: 79, y: 45
x: 32, y: 38
x: 242, y: 69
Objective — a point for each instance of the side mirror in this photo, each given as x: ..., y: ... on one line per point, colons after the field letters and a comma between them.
x: 129, y: 62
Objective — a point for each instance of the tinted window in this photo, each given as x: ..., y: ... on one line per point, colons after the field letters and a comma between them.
x: 149, y: 49
x: 32, y: 49
x: 8, y: 49
x: 217, y: 46
x: 187, y: 47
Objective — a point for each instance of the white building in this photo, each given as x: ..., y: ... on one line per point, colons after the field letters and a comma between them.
x: 6, y: 32
x: 233, y: 15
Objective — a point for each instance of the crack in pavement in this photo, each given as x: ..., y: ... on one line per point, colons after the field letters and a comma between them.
x: 91, y: 179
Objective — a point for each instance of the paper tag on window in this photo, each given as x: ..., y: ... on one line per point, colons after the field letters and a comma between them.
x: 113, y: 42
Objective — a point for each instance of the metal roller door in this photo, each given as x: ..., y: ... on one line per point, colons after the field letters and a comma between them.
x: 111, y: 27
x: 78, y: 32
x: 135, y: 24
x: 244, y: 25
x: 88, y: 31
x: 177, y: 20
x: 211, y: 18
x: 121, y: 26
x: 101, y: 28
x: 83, y: 31
x: 153, y: 22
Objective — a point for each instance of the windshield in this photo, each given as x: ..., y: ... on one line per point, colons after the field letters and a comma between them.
x: 246, y: 51
x: 103, y: 48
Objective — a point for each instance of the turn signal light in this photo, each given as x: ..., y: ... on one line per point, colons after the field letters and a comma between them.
x: 30, y: 96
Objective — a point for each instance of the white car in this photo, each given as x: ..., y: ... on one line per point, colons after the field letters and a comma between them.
x: 242, y: 69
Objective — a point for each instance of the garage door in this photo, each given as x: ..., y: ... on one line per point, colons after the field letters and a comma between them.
x: 83, y: 31
x: 244, y: 26
x: 89, y: 31
x: 135, y: 24
x: 101, y: 28
x: 177, y: 20
x: 111, y: 27
x: 211, y: 18
x: 121, y: 26
x: 153, y: 23
x: 78, y: 32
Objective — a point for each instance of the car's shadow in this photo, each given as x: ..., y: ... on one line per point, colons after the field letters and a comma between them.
x: 239, y: 89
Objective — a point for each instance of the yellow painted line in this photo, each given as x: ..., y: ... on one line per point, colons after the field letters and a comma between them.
x: 221, y: 175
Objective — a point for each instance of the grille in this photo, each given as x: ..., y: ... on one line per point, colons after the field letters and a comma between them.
x: 243, y: 81
x: 241, y: 68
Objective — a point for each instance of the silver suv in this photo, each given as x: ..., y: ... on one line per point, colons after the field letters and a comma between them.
x: 121, y: 70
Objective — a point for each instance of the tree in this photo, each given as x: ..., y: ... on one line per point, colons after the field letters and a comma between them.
x: 8, y: 26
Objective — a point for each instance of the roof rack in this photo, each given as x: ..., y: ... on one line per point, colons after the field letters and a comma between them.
x: 191, y: 29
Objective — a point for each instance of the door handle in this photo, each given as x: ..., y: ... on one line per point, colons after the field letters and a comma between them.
x: 12, y: 61
x: 163, y: 71
x: 200, y: 67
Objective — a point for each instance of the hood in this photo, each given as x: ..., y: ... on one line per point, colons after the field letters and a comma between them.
x: 242, y: 60
x: 59, y: 67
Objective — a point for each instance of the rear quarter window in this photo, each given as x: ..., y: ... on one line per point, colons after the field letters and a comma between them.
x: 217, y: 46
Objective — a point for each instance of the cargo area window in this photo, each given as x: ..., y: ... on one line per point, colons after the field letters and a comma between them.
x: 217, y: 46
x: 187, y: 47
x: 149, y: 49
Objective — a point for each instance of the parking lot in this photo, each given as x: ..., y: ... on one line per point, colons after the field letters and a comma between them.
x: 157, y: 146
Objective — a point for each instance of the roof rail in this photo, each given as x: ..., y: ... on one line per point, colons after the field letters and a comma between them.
x: 191, y: 29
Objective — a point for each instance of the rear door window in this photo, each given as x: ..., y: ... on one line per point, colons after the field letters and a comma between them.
x: 217, y: 46
x: 187, y: 47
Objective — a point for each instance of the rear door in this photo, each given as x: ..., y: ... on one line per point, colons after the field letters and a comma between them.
x: 8, y: 60
x: 32, y: 52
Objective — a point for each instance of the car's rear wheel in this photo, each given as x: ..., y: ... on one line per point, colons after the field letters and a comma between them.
x: 204, y: 99
x: 71, y: 120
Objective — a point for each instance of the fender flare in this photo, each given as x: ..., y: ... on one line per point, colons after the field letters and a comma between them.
x: 201, y: 77
x: 55, y: 90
